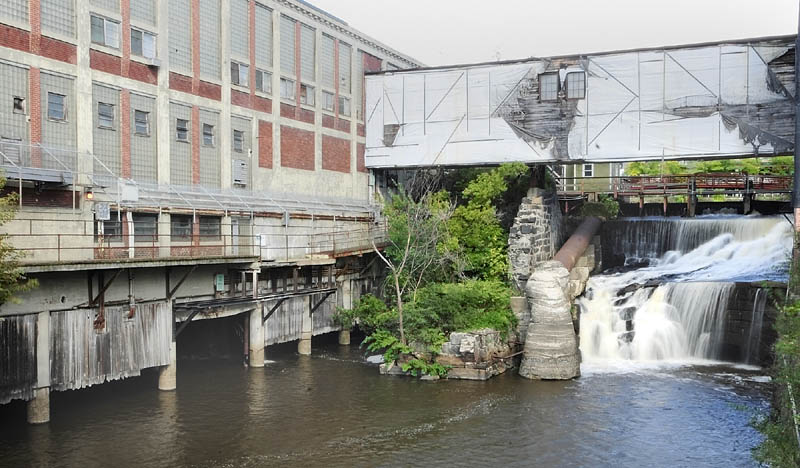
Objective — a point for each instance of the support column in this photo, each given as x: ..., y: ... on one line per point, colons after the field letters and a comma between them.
x: 346, y: 289
x: 167, y: 375
x: 257, y: 337
x: 304, y: 345
x: 39, y: 406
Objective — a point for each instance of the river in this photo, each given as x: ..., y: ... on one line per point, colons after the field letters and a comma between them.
x: 333, y: 409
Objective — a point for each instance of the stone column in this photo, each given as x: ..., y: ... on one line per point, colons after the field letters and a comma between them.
x: 39, y: 406
x: 551, y: 345
x: 257, y: 337
x: 344, y: 337
x: 304, y: 345
x: 167, y: 375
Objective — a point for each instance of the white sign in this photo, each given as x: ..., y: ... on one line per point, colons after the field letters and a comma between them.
x: 102, y: 211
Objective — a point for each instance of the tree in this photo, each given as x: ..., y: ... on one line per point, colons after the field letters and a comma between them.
x: 419, y: 247
x: 12, y: 279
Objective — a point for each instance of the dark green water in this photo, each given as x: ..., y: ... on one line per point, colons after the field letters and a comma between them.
x: 333, y: 409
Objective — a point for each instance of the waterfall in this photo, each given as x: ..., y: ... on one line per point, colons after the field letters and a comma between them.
x: 674, y: 308
x: 754, y: 336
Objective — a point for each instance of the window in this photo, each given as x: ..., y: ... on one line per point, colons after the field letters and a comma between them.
x: 264, y: 81
x: 112, y: 229
x: 238, y: 141
x: 182, y: 130
x: 143, y: 43
x: 11, y: 149
x: 180, y: 228
x: 548, y: 87
x: 18, y: 106
x: 588, y: 170
x: 344, y: 106
x: 210, y: 227
x: 141, y: 122
x: 239, y: 73
x: 576, y: 85
x: 287, y: 89
x: 208, y: 135
x: 307, y: 95
x: 105, y: 32
x: 328, y: 100
x: 105, y: 115
x: 56, y: 106
x: 145, y: 227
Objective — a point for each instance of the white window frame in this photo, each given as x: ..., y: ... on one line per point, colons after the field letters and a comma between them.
x: 265, y: 78
x: 63, y: 117
x: 307, y: 95
x: 148, y: 42
x: 178, y: 130
x: 345, y: 110
x: 240, y: 74
x: 136, y: 121
x: 288, y: 89
x: 328, y: 101
x: 590, y: 172
x: 111, y: 31
x: 207, y: 126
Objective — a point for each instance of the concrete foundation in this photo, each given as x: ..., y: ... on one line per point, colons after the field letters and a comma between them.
x: 167, y: 375
x: 306, y: 332
x: 344, y: 337
x: 256, y: 338
x: 39, y: 406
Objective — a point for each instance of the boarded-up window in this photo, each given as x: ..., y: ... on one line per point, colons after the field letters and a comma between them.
x: 180, y: 150
x: 106, y: 142
x: 110, y: 5
x: 144, y: 10
x: 143, y: 140
x: 263, y: 36
x: 307, y: 53
x: 240, y: 29
x: 58, y: 17
x: 288, y: 37
x: 210, y: 39
x: 209, y: 151
x: 326, y: 59
x: 345, y: 85
x: 180, y: 35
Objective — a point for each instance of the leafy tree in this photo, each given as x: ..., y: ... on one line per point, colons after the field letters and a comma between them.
x: 476, y: 226
x: 12, y: 280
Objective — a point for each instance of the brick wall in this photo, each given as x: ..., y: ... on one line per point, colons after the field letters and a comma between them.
x: 361, y: 165
x: 297, y: 148
x: 265, y: 144
x: 335, y: 154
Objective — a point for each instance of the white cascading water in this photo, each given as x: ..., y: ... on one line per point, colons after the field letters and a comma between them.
x: 674, y: 308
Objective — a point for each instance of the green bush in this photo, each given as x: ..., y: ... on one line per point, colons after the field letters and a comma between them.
x: 370, y: 313
x: 606, y: 208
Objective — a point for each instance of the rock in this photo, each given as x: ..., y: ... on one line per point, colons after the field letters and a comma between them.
x: 429, y: 378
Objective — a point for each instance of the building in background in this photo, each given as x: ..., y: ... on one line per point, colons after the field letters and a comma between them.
x: 170, y: 155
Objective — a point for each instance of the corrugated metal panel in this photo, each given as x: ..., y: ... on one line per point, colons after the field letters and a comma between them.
x: 288, y: 46
x: 143, y: 147
x: 180, y: 35
x: 59, y: 134
x: 106, y: 140
x: 326, y: 62
x: 14, y: 9
x: 144, y: 10
x: 18, y: 372
x: 240, y: 30
x: 241, y: 161
x: 308, y: 41
x: 345, y: 52
x: 80, y: 356
x: 322, y: 318
x: 210, y: 38
x: 209, y: 155
x: 180, y: 152
x: 263, y: 36
x: 58, y: 16
x: 286, y: 323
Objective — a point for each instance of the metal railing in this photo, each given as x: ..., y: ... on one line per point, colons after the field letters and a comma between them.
x: 45, y: 240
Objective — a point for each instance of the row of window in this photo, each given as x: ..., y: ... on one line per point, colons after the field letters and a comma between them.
x: 145, y: 228
x: 209, y: 135
x: 106, y: 32
x: 550, y: 86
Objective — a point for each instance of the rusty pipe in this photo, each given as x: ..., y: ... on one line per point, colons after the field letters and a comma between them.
x: 575, y: 246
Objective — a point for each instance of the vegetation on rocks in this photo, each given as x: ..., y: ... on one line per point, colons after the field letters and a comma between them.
x: 448, y: 269
x: 606, y: 208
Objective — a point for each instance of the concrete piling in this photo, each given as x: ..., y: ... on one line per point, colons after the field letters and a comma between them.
x: 344, y: 337
x: 256, y: 337
x: 39, y: 406
x: 304, y: 345
x: 167, y: 375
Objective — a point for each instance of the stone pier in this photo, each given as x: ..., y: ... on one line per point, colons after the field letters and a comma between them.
x: 306, y: 331
x: 257, y: 337
x: 167, y: 375
x: 39, y: 405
